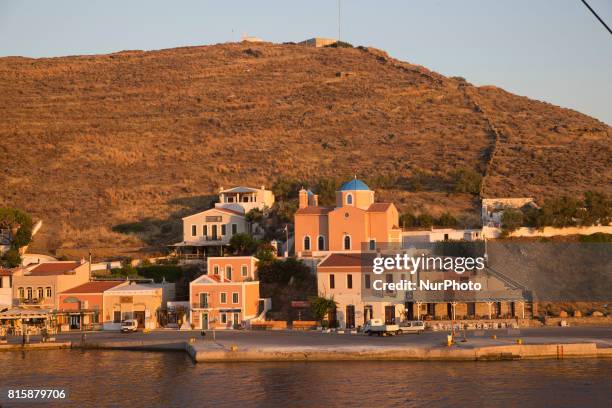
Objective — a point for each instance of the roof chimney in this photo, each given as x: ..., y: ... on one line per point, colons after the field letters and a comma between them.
x: 315, y: 200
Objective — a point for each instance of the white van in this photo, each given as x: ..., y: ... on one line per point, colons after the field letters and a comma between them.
x: 378, y: 326
x: 414, y: 326
x: 130, y: 325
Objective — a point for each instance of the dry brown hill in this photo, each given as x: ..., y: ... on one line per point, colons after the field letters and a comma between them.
x: 88, y: 142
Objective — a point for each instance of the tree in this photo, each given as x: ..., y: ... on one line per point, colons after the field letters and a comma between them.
x: 20, y: 224
x: 12, y: 258
x: 425, y: 220
x: 286, y: 189
x: 242, y: 244
x: 446, y: 220
x: 512, y: 219
x: 466, y: 181
x: 265, y: 253
x: 284, y: 272
x: 408, y: 219
x: 326, y: 190
x: 255, y: 215
x: 598, y: 208
x: 321, y: 306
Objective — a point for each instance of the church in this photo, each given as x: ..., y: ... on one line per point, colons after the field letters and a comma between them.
x: 356, y: 223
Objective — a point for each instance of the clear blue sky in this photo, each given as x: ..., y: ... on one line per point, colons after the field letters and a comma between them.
x: 552, y: 50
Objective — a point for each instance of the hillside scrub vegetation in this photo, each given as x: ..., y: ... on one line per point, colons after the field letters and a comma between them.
x: 140, y: 139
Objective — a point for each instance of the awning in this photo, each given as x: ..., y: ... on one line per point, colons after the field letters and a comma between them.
x: 14, y: 314
x: 230, y: 310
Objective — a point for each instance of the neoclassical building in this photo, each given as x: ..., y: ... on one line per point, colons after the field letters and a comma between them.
x: 356, y: 223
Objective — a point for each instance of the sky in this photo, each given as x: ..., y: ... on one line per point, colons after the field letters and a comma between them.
x: 550, y: 50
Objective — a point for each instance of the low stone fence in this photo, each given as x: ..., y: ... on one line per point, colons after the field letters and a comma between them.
x: 304, y: 325
x: 269, y: 325
x: 579, y: 321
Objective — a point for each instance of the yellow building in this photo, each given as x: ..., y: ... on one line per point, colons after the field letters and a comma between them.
x: 142, y: 301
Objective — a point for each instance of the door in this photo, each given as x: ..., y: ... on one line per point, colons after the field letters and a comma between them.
x: 204, y: 321
x: 139, y: 316
x: 471, y: 307
x: 236, y: 319
x: 350, y: 317
x: 389, y: 314
x: 367, y: 313
x: 409, y: 310
x: 75, y: 322
x: 332, y: 318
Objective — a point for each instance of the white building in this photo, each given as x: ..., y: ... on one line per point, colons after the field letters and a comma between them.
x: 206, y: 232
x: 439, y: 234
x: 493, y: 209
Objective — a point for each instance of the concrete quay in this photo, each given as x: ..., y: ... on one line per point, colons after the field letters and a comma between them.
x: 213, y: 353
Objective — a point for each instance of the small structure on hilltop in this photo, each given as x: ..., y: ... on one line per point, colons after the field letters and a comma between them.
x: 318, y: 42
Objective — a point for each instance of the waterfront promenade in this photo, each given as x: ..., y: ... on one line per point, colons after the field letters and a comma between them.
x: 317, y: 346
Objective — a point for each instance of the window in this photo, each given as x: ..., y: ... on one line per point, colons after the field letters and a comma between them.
x: 306, y: 243
x: 228, y: 272
x: 234, y: 229
x: 117, y: 316
x: 244, y: 270
x: 216, y: 270
x: 223, y: 229
x: 235, y: 298
x: 224, y: 318
x: 347, y: 242
x: 349, y: 281
x: 194, y: 230
x: 389, y: 279
x: 332, y: 281
x: 368, y: 282
x: 205, y: 230
x: 321, y: 243
x: 21, y: 293
x: 203, y: 300
x: 40, y: 293
x: 29, y: 293
x: 349, y: 199
x: 372, y: 244
x: 223, y: 297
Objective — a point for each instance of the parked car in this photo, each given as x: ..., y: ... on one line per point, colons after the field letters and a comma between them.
x: 129, y: 325
x: 414, y: 326
x: 378, y: 326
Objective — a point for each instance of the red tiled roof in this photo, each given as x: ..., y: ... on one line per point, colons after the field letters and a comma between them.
x: 378, y: 207
x: 217, y: 278
x: 227, y: 210
x: 313, y: 210
x: 353, y: 260
x: 53, y: 268
x: 6, y: 272
x: 94, y: 287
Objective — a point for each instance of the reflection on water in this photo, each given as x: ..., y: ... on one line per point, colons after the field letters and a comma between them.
x: 139, y: 379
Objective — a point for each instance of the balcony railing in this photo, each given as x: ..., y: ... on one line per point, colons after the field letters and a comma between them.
x: 200, y: 305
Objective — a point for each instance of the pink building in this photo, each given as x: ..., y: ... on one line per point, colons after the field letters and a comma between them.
x: 81, y: 307
x: 354, y: 224
x: 228, y: 295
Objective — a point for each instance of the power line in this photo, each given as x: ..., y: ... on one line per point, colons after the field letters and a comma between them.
x: 595, y: 14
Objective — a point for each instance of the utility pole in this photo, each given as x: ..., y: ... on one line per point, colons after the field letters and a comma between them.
x: 338, y: 21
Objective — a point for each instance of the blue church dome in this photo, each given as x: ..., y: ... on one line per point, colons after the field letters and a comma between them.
x: 354, y: 184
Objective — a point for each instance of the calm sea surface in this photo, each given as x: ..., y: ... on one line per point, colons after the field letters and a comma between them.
x: 143, y: 379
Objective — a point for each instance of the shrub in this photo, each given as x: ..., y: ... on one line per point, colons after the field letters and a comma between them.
x: 447, y: 220
x: 466, y: 181
x: 512, y: 219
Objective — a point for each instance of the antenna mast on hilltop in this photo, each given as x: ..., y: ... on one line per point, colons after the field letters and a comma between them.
x: 338, y: 20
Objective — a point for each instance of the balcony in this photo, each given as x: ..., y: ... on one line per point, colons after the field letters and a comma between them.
x: 200, y: 305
